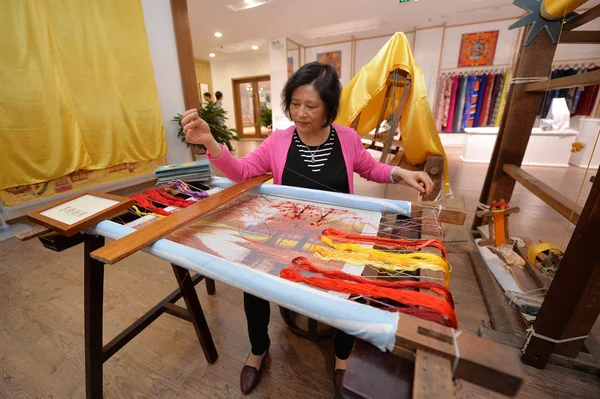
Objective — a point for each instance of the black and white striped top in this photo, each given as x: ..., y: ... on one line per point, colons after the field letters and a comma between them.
x: 319, y: 167
x: 315, y: 157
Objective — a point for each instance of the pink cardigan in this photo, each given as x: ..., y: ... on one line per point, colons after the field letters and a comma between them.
x: 271, y: 156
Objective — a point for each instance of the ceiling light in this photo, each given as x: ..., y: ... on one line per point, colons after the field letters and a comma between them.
x: 218, y: 34
x: 239, y: 47
x: 211, y: 55
x: 246, y: 4
x: 255, y: 47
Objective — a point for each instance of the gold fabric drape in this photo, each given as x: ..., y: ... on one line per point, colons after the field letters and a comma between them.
x: 366, y: 92
x: 78, y: 89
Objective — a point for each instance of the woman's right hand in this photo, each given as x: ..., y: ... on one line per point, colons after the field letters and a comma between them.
x: 196, y: 129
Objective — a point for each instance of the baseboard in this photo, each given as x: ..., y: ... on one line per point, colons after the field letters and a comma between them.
x: 584, y: 166
x: 17, y: 211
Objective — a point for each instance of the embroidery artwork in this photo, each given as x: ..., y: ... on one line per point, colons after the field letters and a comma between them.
x: 266, y: 232
x: 478, y: 49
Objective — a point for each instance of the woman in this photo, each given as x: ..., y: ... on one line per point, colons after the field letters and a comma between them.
x: 312, y: 154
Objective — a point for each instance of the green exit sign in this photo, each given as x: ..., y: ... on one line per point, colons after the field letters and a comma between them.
x: 405, y: 1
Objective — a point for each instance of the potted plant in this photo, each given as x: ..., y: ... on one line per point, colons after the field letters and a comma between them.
x: 265, y: 119
x: 215, y: 117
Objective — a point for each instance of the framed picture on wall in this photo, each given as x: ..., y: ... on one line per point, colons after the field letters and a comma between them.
x: 333, y: 58
x: 478, y: 49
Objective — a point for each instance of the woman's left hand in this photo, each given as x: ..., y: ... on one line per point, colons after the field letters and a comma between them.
x: 418, y: 180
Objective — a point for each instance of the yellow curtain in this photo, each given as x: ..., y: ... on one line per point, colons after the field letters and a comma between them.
x: 365, y: 95
x: 78, y: 89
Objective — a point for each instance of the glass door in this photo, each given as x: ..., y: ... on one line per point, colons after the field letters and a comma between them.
x: 252, y: 98
x: 264, y: 106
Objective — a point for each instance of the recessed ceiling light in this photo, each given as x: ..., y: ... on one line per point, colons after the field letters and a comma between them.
x: 247, y: 4
x: 211, y: 55
x: 255, y: 47
x: 218, y: 34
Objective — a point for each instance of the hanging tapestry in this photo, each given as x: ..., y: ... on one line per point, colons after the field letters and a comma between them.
x: 333, y: 58
x: 477, y: 49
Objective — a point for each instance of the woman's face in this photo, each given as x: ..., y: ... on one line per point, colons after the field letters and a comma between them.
x: 307, y: 110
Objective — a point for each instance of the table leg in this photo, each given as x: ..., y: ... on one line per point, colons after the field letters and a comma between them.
x: 94, y: 292
x: 210, y: 285
x: 198, y: 320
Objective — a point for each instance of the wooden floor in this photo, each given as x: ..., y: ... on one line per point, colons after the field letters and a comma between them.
x: 41, y: 320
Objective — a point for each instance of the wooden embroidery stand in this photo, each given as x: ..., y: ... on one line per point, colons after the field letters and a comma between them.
x: 475, y: 359
x: 399, y: 80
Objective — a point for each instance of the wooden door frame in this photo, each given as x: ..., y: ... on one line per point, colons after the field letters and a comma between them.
x: 239, y: 125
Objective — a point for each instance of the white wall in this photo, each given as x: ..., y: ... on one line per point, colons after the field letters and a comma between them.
x: 278, y: 66
x: 161, y: 38
x: 223, y: 71
x: 505, y: 47
x: 366, y: 49
x: 345, y: 48
x: 578, y: 51
x: 427, y: 54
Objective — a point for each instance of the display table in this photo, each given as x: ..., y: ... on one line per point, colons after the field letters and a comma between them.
x: 588, y: 128
x: 545, y: 148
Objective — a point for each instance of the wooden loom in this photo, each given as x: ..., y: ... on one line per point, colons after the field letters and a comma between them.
x: 572, y: 303
x: 387, y: 142
x: 481, y: 361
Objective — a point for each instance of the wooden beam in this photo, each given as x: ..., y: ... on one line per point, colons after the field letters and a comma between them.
x: 572, y: 303
x: 493, y: 297
x: 518, y: 118
x: 33, y: 233
x: 550, y: 196
x: 481, y: 361
x: 509, y: 339
x: 433, y: 376
x: 592, y: 344
x: 448, y: 214
x: 185, y: 53
x: 583, y: 362
x: 582, y: 79
x: 580, y: 36
x: 582, y: 19
x: 434, y: 167
x: 122, y: 248
x: 433, y: 373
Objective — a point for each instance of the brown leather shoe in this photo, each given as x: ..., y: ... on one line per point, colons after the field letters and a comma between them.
x: 250, y: 376
x: 338, y: 379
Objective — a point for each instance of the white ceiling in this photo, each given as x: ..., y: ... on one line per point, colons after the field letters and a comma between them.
x: 302, y: 20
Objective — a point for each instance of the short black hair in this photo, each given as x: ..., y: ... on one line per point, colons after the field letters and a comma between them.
x: 207, y: 94
x: 218, y: 95
x: 324, y: 79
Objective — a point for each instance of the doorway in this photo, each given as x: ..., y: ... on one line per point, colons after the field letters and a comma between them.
x: 252, y: 98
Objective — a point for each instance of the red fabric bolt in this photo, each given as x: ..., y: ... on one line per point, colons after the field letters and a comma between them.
x: 144, y: 201
x: 388, y: 243
x: 372, y: 288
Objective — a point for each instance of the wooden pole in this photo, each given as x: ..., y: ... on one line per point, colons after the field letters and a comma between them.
x: 185, y: 53
x: 572, y: 303
x: 518, y: 118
